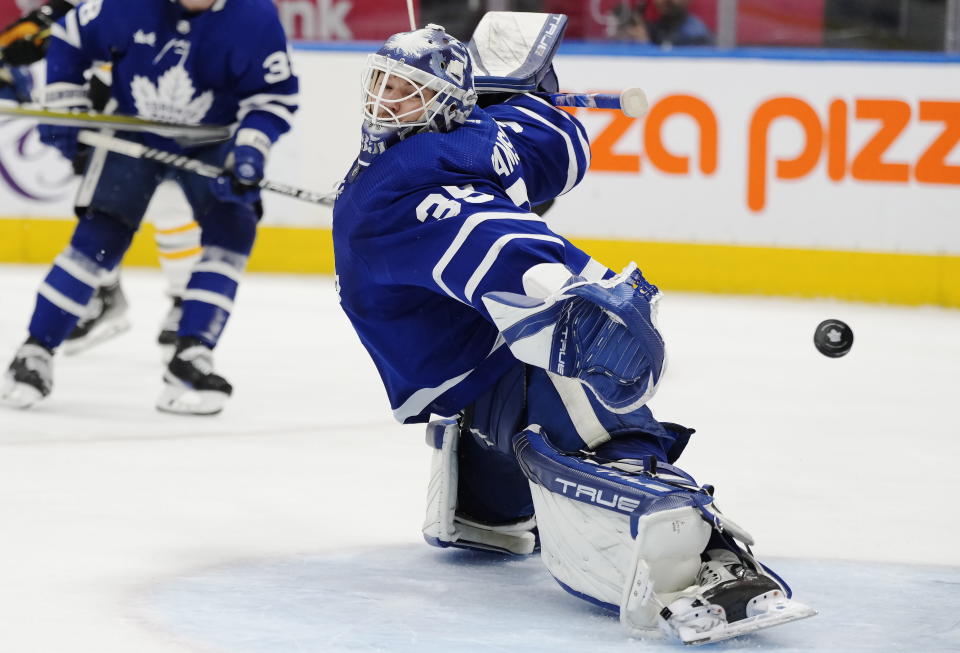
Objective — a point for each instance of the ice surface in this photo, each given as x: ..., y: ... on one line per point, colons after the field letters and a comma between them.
x: 410, y: 598
x: 291, y: 521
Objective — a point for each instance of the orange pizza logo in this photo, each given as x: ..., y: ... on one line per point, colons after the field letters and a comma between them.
x: 825, y: 139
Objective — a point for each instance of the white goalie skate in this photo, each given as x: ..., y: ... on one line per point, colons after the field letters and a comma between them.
x: 695, y: 623
x: 732, y: 600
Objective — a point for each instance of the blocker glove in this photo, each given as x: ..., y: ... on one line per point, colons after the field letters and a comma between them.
x: 244, y: 169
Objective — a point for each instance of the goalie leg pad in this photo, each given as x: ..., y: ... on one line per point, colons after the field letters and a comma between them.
x: 626, y: 540
x: 444, y: 527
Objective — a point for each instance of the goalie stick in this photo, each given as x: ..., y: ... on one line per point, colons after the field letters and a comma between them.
x: 140, y: 151
x: 187, y: 134
x: 632, y: 101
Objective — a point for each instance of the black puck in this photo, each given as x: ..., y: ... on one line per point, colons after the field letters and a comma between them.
x: 833, y: 338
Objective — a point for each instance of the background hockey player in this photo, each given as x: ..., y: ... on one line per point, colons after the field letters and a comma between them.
x: 186, y: 61
x: 177, y: 235
x: 471, y: 305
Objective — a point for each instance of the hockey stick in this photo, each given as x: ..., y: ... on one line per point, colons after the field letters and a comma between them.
x: 632, y: 101
x: 194, y: 134
x: 413, y: 21
x: 140, y: 151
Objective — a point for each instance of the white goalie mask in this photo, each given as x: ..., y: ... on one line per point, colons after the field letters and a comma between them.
x: 418, y: 81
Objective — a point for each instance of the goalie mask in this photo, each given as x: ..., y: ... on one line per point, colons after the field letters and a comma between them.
x: 418, y: 81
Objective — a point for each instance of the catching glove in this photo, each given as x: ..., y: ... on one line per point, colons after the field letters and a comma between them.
x: 602, y: 333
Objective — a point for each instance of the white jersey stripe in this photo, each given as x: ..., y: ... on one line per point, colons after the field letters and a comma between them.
x: 423, y: 397
x: 278, y: 110
x: 517, y: 192
x: 584, y: 143
x: 594, y: 270
x: 494, y: 252
x: 469, y: 225
x: 572, y: 168
x: 291, y: 99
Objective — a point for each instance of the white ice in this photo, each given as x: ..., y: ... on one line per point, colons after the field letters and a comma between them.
x: 291, y: 521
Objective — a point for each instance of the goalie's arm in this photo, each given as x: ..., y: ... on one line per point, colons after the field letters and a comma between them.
x: 467, y: 241
x: 556, y: 308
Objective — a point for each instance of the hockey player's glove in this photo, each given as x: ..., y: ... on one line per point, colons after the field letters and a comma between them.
x: 602, y: 333
x: 244, y: 170
x: 62, y: 138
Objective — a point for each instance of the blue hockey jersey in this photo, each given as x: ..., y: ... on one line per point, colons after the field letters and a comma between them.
x: 226, y: 65
x: 437, y: 221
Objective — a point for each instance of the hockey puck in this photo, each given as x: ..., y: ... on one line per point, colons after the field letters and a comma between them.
x: 833, y: 338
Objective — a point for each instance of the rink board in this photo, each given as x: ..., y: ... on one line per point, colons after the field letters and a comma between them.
x: 855, y: 276
x: 775, y: 176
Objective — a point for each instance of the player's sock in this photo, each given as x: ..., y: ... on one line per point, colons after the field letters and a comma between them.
x: 168, y: 329
x: 208, y: 300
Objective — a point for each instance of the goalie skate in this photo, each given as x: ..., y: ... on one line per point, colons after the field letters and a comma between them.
x: 739, y: 590
x: 695, y: 623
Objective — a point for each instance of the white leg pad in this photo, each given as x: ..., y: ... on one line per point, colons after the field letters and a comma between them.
x: 443, y: 527
x: 590, y: 551
x: 665, y: 565
x: 626, y: 539
x: 586, y: 548
x: 443, y: 436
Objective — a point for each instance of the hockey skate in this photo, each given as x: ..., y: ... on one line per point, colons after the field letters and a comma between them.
x: 733, y: 600
x: 168, y: 329
x: 190, y: 385
x: 30, y: 376
x: 106, y: 317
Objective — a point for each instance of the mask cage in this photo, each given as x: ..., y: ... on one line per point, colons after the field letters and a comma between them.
x: 375, y: 77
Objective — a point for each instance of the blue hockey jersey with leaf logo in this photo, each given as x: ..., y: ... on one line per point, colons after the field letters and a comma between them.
x: 226, y: 65
x: 434, y: 223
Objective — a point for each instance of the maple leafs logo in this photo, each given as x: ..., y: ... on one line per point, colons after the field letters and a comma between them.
x: 171, y: 100
x: 414, y: 44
